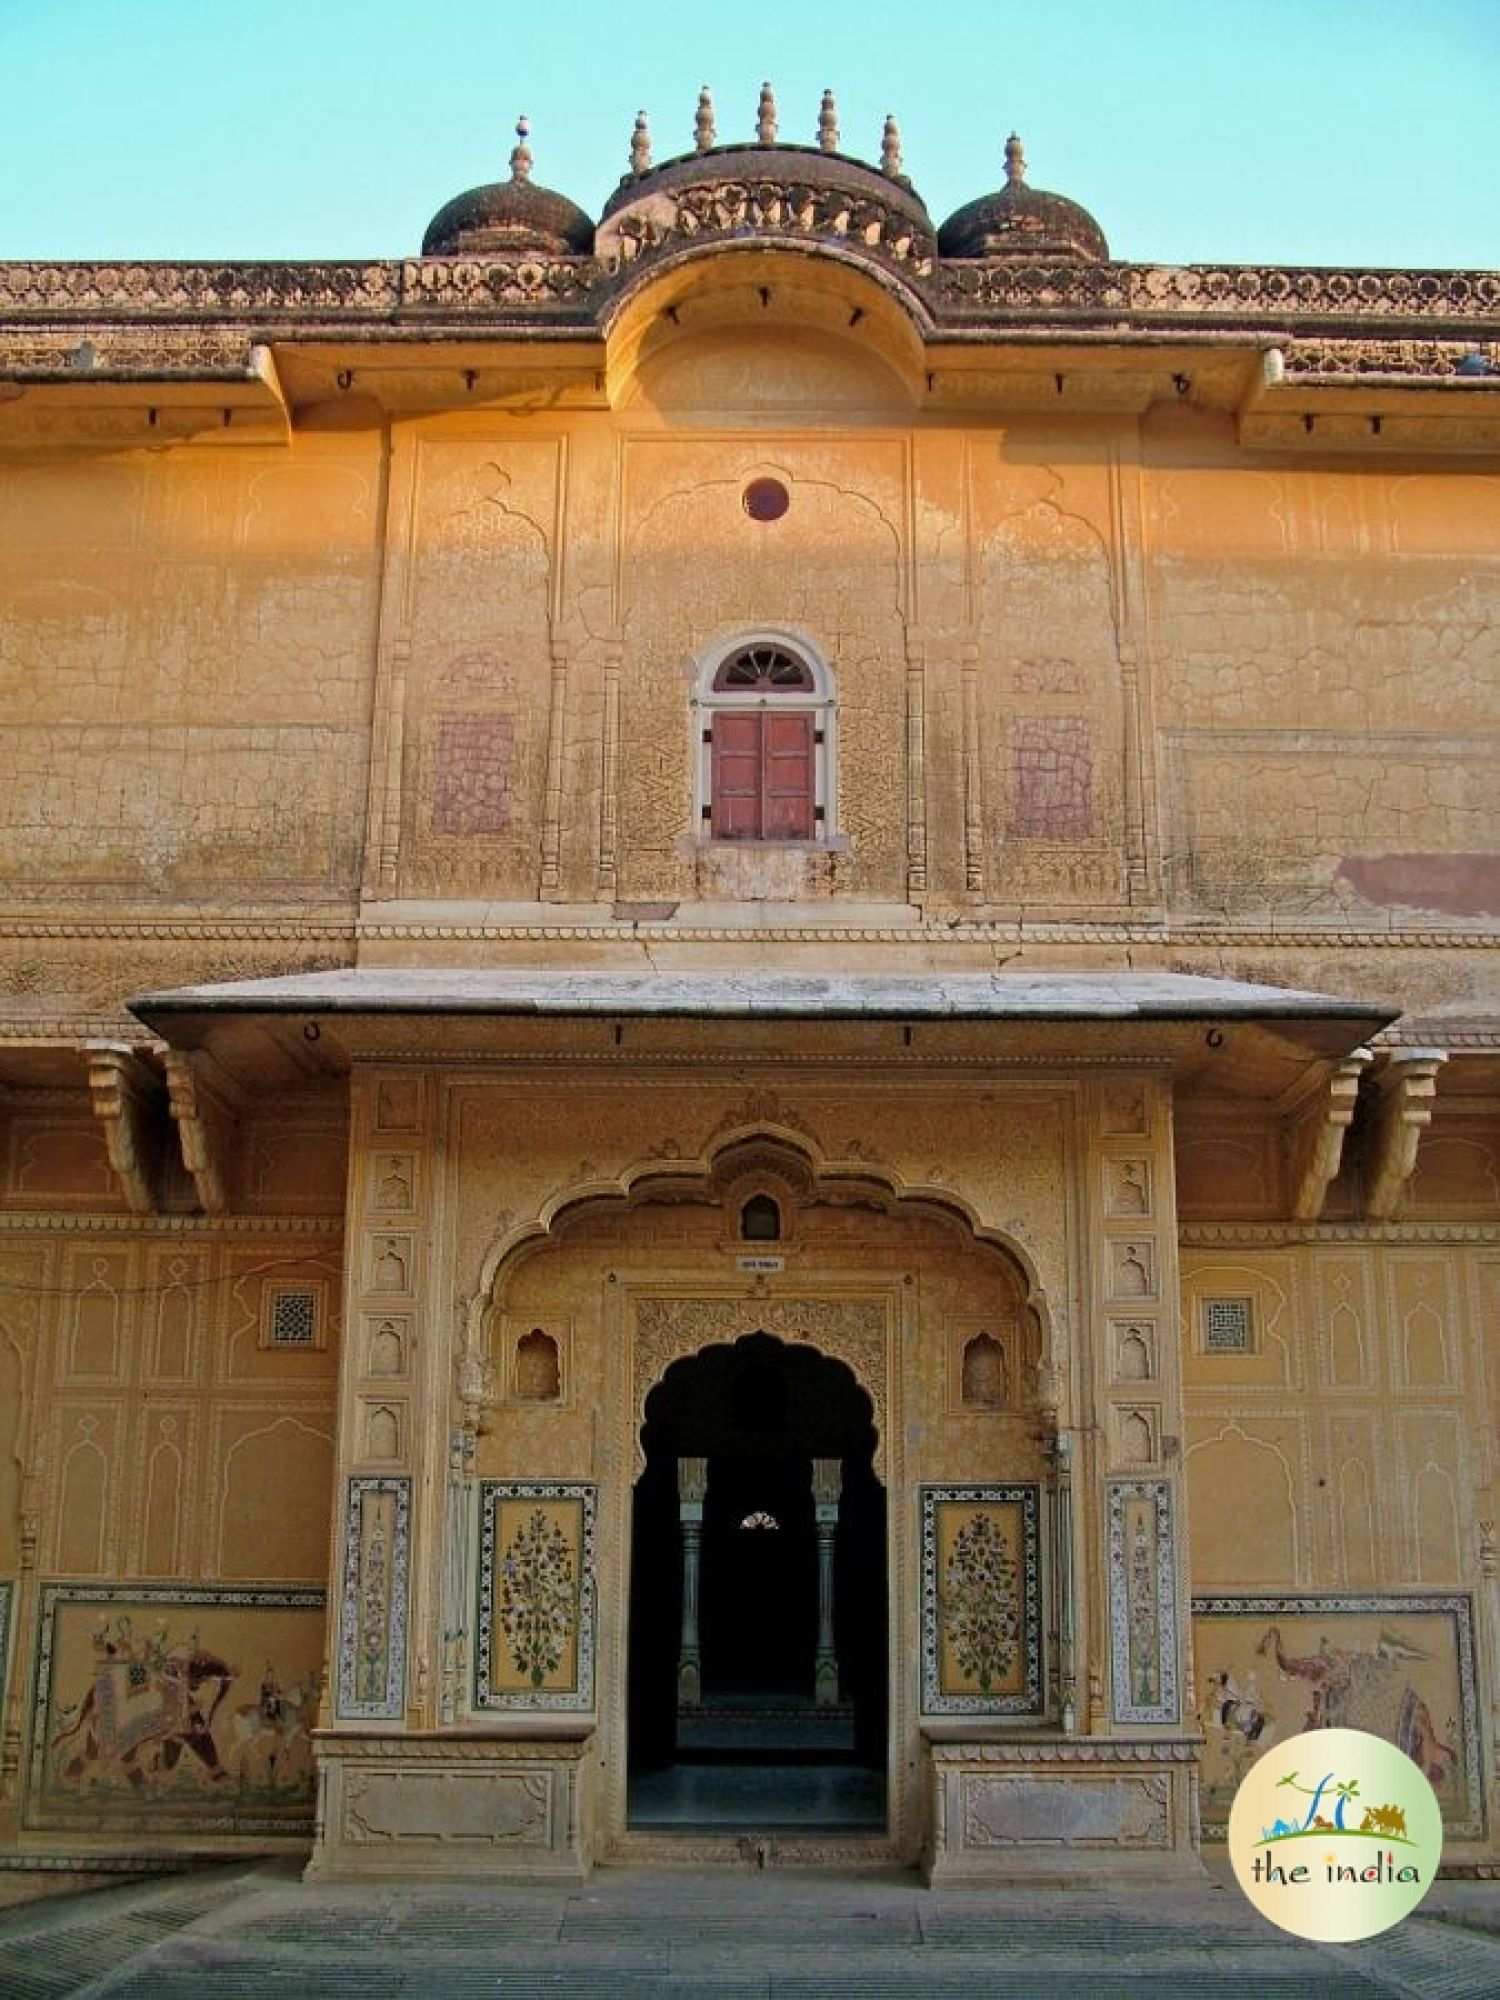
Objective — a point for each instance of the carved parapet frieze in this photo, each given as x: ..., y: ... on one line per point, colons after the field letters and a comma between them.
x: 232, y: 291
x: 831, y: 216
x: 1406, y: 1086
x: 476, y: 285
x: 1345, y: 361
x: 1450, y: 307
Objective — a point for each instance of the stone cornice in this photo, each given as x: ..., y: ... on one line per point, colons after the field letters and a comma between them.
x: 1286, y: 1235
x: 17, y: 1222
x: 1164, y: 1749
x: 1183, y: 934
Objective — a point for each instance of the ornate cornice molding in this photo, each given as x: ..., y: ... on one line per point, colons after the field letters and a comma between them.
x: 1289, y: 1235
x: 15, y: 1222
x: 1182, y: 934
x: 1066, y: 1750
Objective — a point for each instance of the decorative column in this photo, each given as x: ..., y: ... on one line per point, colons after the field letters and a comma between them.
x: 606, y: 874
x: 692, y: 1485
x: 916, y: 765
x: 557, y: 730
x: 457, y: 1539
x: 827, y: 1480
x: 1067, y: 1672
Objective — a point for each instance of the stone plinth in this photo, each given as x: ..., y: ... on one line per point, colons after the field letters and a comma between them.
x: 1060, y: 1809
x: 451, y: 1804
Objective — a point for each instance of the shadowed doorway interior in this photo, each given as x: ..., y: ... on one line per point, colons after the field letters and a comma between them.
x: 758, y: 1597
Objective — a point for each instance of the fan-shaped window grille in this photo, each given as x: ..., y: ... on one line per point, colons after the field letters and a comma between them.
x: 760, y: 1519
x: 763, y: 670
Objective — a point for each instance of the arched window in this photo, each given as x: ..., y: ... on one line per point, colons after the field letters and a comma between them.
x: 765, y: 718
x: 760, y: 1220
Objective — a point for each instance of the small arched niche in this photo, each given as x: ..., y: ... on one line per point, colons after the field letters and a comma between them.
x: 537, y: 1376
x: 760, y: 1219
x: 985, y: 1373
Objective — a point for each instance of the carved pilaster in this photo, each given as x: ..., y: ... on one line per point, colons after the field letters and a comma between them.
x: 204, y: 1105
x: 457, y: 1546
x: 126, y: 1098
x: 973, y: 773
x: 1067, y: 1666
x: 1489, y: 1570
x: 1318, y: 1142
x: 916, y: 767
x: 1405, y: 1089
x: 1128, y: 589
x: 609, y: 776
x: 557, y: 730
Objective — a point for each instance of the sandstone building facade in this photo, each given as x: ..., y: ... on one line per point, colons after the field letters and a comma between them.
x: 750, y: 1052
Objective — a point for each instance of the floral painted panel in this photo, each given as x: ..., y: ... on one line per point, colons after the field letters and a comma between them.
x: 372, y: 1600
x: 536, y: 1595
x: 175, y: 1708
x: 1400, y: 1664
x: 981, y: 1600
x: 1142, y: 1601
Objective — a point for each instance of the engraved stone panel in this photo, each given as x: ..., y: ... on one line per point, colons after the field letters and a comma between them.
x: 1134, y: 1346
x: 392, y: 1182
x: 1132, y: 1270
x: 1057, y: 1812
x: 1127, y: 1188
x: 398, y: 1104
x: 494, y: 1808
x: 387, y: 1343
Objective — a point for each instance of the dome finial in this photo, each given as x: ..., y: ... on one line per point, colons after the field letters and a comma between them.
x: 890, y: 148
x: 765, y: 118
x: 520, y: 159
x: 703, y: 125
x: 828, y: 124
x: 1015, y: 159
x: 640, y: 145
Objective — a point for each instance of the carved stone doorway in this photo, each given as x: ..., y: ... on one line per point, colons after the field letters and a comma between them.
x: 758, y: 1613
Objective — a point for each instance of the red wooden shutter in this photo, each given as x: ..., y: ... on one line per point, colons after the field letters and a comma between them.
x: 735, y: 776
x: 787, y: 767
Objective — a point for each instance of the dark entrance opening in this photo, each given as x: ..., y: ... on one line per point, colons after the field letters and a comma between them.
x: 769, y: 1709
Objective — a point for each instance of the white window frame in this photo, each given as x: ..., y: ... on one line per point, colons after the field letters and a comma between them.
x: 819, y: 701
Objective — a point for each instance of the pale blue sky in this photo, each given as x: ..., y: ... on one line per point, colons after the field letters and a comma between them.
x: 1290, y: 131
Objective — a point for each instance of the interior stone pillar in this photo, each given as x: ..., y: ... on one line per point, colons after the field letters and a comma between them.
x: 692, y: 1486
x: 828, y: 1479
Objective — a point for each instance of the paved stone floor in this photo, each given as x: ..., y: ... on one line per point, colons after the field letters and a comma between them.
x: 627, y: 1935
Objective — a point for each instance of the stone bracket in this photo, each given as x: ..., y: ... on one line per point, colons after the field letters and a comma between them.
x: 1318, y: 1137
x: 205, y: 1106
x: 126, y: 1096
x: 1405, y: 1088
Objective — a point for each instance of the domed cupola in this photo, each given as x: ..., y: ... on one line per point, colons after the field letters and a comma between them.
x: 764, y: 191
x: 510, y: 218
x: 1021, y: 221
